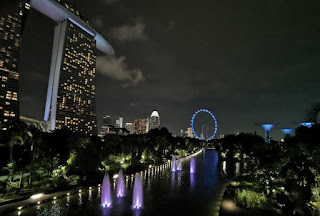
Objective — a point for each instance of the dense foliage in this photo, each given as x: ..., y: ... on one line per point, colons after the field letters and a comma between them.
x: 33, y: 160
x: 286, y: 173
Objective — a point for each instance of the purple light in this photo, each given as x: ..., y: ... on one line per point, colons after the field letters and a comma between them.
x: 307, y: 124
x: 192, y: 166
x: 173, y: 167
x: 287, y: 131
x: 120, y: 185
x: 106, y: 192
x: 137, y: 200
x: 178, y: 166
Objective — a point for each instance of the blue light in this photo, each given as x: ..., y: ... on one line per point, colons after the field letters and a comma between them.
x: 307, y: 124
x: 267, y: 127
x: 214, y: 119
x: 287, y: 131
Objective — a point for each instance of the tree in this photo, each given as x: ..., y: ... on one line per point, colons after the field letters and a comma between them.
x: 313, y: 112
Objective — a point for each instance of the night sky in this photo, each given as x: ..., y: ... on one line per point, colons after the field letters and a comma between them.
x: 247, y: 61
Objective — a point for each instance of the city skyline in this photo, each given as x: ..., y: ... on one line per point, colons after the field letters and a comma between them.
x: 276, y: 91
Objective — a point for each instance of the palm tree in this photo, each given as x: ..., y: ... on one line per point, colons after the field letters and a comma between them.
x: 15, y: 140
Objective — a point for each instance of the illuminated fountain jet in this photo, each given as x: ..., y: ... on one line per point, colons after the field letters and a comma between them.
x: 192, y: 166
x: 173, y: 167
x: 106, y: 192
x: 137, y: 199
x: 178, y: 166
x: 120, y: 185
x: 267, y: 128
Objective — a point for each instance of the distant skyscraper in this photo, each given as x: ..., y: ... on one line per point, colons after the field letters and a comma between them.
x: 190, y: 133
x: 106, y: 120
x: 140, y: 126
x: 11, y: 27
x: 129, y: 127
x: 119, y: 122
x: 204, y: 132
x: 154, y: 120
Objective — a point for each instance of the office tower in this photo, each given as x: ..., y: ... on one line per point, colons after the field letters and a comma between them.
x: 119, y: 122
x: 204, y: 132
x: 71, y: 81
x: 129, y: 127
x: 190, y: 133
x: 140, y: 126
x: 11, y: 27
x: 154, y: 120
x: 106, y: 120
x: 71, y: 90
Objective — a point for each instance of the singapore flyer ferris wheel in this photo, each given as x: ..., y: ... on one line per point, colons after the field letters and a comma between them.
x: 214, y: 121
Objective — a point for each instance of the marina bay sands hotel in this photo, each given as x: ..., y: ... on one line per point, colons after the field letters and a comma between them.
x: 70, y: 99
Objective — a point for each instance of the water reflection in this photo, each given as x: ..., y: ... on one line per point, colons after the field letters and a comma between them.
x: 80, y: 199
x: 173, y: 178
x: 164, y: 191
x: 192, y: 180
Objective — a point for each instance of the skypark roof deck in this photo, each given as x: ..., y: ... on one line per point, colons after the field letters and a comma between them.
x: 57, y: 12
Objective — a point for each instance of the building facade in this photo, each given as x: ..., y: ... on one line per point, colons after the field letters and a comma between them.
x: 11, y: 27
x: 129, y: 127
x: 119, y: 122
x: 154, y: 120
x: 106, y: 120
x: 140, y: 126
x: 190, y: 133
x: 71, y: 90
x: 204, y: 134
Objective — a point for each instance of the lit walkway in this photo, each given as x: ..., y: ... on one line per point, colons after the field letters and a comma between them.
x: 46, y: 197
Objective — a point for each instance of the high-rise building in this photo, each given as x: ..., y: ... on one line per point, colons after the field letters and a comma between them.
x: 119, y: 122
x: 154, y: 120
x: 204, y: 133
x: 71, y: 84
x: 71, y: 90
x: 106, y: 121
x: 140, y: 126
x: 129, y: 127
x: 11, y: 27
x: 190, y: 133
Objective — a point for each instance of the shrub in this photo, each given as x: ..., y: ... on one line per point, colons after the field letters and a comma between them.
x: 12, y: 185
x: 250, y: 199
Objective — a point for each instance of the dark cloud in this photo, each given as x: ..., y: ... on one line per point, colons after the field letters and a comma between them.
x: 129, y: 32
x: 117, y: 68
x: 110, y: 2
x: 247, y: 61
